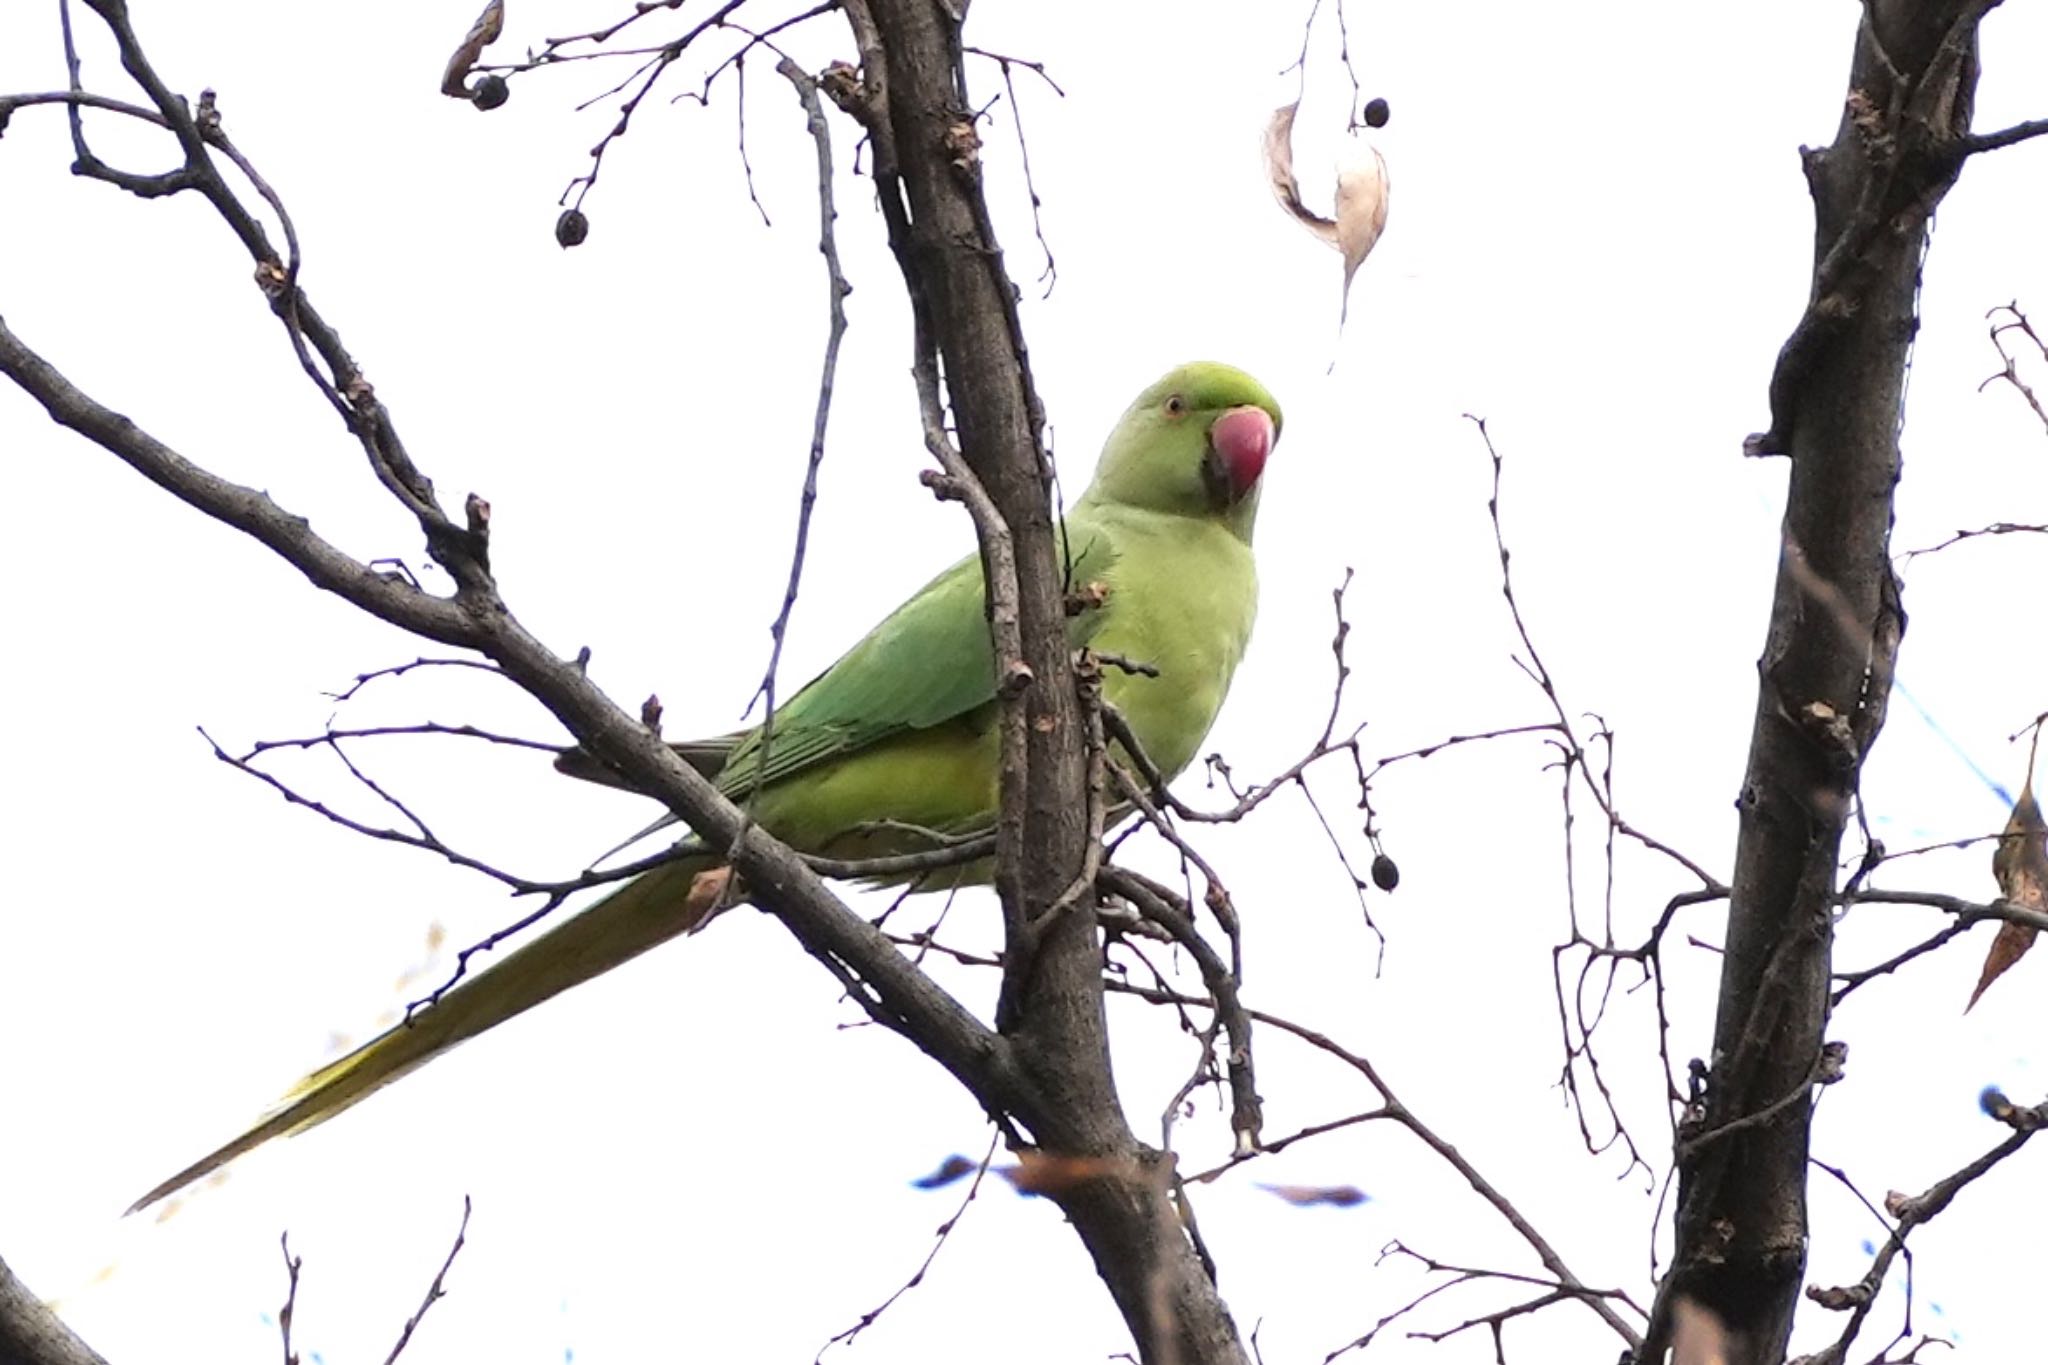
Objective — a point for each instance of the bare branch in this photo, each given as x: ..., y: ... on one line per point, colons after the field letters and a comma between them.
x: 1996, y: 528
x: 1393, y: 1109
x: 331, y: 738
x: 246, y: 509
x: 476, y: 617
x: 437, y: 1290
x: 836, y: 291
x: 1968, y: 914
x: 648, y: 74
x: 867, y: 1319
x: 1300, y: 63
x: 1824, y: 679
x: 1974, y: 143
x: 1050, y: 275
x: 363, y: 680
x: 1159, y: 905
x: 77, y: 99
x: 286, y: 1314
x: 1911, y: 1212
x: 2009, y: 367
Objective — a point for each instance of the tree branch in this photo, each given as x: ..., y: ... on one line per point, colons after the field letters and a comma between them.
x: 1911, y: 1213
x: 911, y: 98
x: 30, y: 1334
x: 1825, y: 675
x: 477, y: 618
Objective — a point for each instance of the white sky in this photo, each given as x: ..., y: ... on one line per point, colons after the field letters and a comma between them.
x: 1599, y: 238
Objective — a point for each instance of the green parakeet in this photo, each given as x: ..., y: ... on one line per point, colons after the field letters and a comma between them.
x: 902, y: 728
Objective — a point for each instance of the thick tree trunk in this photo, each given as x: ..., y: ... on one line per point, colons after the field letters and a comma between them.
x: 1825, y: 673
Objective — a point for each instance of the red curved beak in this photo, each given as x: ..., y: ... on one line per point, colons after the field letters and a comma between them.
x: 1242, y: 438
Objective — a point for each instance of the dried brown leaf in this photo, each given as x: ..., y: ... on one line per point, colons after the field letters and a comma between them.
x: 1361, y: 206
x: 1307, y: 1196
x: 481, y: 35
x: 2020, y: 863
x: 2009, y: 947
x: 707, y: 896
x: 1048, y: 1173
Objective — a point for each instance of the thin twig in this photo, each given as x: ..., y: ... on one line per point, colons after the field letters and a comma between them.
x: 1399, y: 1113
x: 1050, y: 275
x: 1911, y: 1212
x: 435, y: 1291
x: 292, y: 1265
x: 945, y: 1231
x: 1159, y: 905
x: 837, y: 289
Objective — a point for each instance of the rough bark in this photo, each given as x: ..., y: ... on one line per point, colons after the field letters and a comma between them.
x: 30, y: 1333
x: 1825, y: 672
x: 1052, y: 1004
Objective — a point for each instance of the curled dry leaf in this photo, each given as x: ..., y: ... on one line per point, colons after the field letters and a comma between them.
x: 1361, y: 198
x: 481, y: 35
x: 2020, y: 862
x: 1307, y: 1196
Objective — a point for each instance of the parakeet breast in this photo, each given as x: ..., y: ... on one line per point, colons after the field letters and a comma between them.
x: 1182, y: 597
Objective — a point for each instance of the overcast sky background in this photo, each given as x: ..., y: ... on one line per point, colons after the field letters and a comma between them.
x: 1599, y: 237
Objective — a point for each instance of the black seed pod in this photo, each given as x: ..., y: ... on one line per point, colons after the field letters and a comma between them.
x: 571, y: 228
x: 490, y: 92
x: 1385, y: 875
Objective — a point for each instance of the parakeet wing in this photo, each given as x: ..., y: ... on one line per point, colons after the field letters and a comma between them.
x: 928, y: 662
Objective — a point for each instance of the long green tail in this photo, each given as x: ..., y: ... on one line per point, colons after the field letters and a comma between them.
x: 644, y: 913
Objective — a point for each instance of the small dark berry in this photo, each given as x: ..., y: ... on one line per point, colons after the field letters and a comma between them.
x: 571, y: 228
x: 1376, y: 112
x: 1385, y: 875
x: 490, y: 92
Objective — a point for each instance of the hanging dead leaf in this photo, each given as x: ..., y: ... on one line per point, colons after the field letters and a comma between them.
x: 481, y: 35
x: 2020, y: 863
x: 1361, y: 198
x: 1307, y: 1196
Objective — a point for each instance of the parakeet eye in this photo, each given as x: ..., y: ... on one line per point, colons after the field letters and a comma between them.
x: 1176, y: 405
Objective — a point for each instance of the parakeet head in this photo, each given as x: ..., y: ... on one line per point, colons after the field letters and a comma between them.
x: 1195, y: 443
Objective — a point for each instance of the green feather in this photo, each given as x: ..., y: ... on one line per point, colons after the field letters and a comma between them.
x: 901, y: 730
x: 928, y: 663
